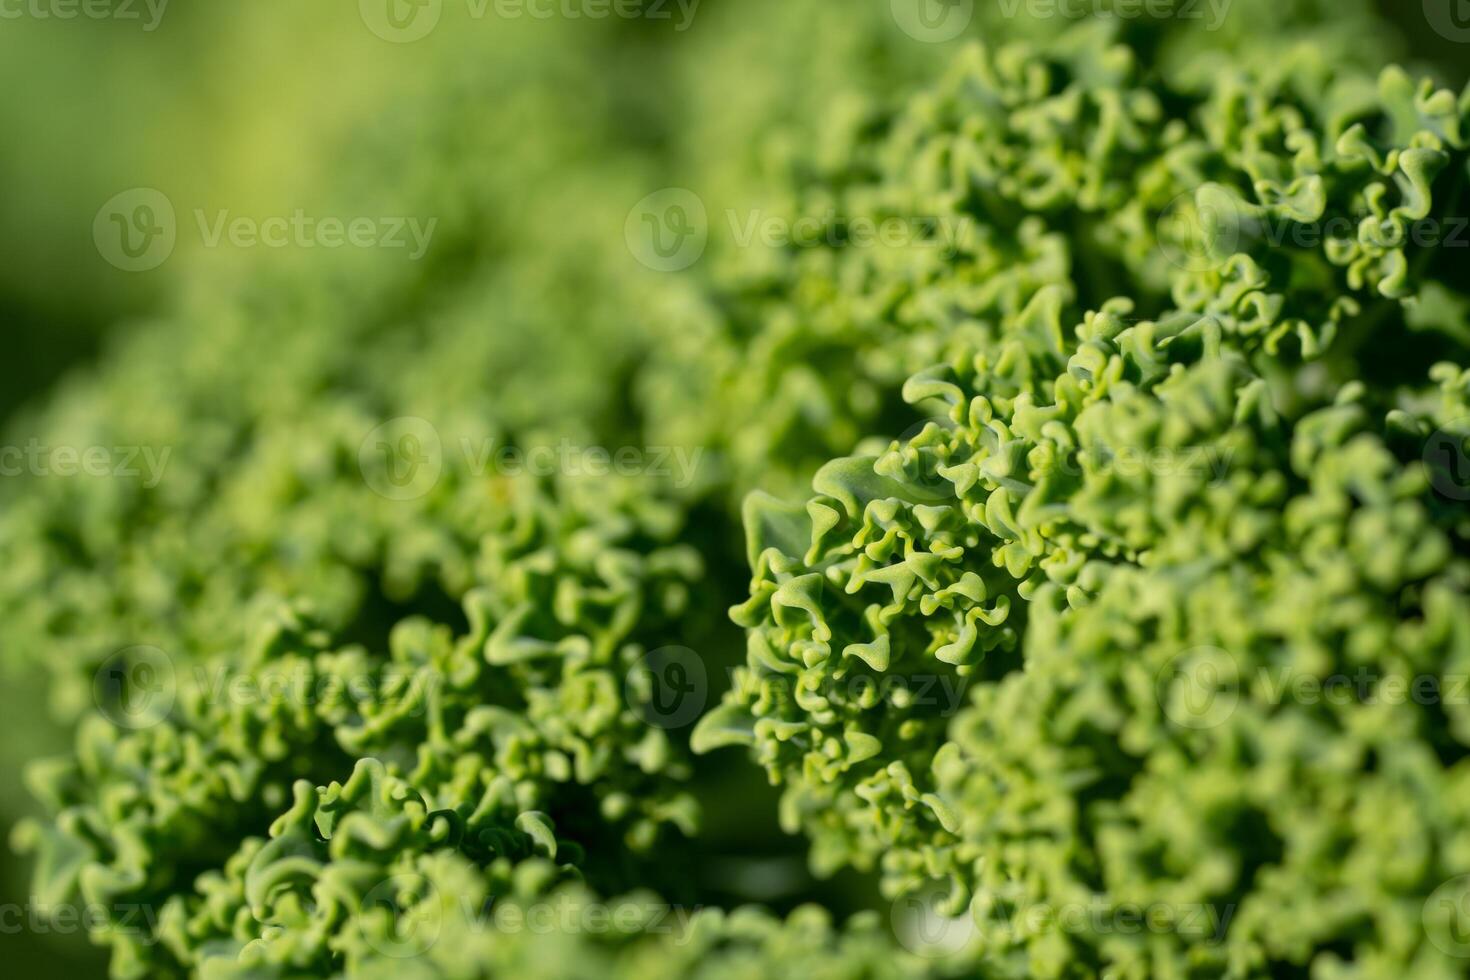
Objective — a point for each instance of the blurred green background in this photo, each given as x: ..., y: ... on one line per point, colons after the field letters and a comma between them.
x: 253, y: 107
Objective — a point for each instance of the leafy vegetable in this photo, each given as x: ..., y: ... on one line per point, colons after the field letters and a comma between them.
x: 1093, y: 512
